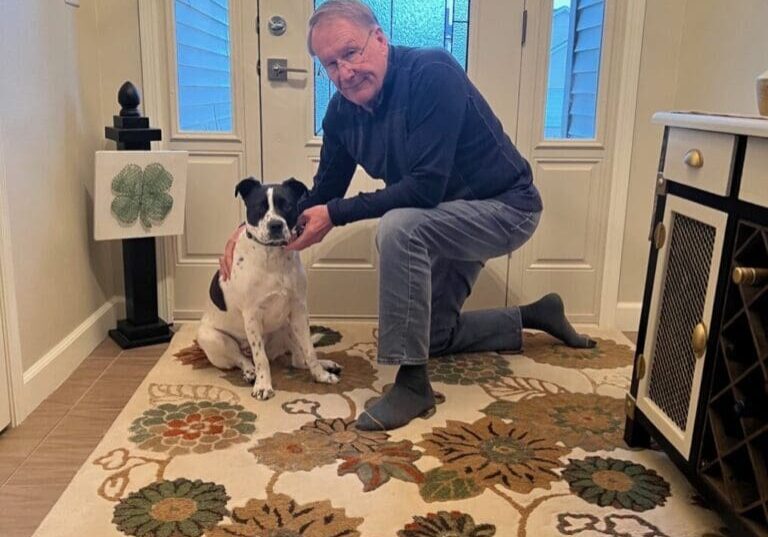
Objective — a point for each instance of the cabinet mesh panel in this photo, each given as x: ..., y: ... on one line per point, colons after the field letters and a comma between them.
x: 682, y: 306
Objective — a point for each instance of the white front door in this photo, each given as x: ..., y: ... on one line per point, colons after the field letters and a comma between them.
x: 343, y: 277
x: 566, y: 125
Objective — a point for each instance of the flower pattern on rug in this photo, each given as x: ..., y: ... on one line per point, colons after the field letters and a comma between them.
x: 492, y: 452
x: 282, y: 516
x: 468, y: 369
x: 616, y: 483
x: 446, y: 524
x: 347, y: 438
x: 296, y: 451
x: 192, y: 427
x: 171, y: 509
x: 588, y: 421
x: 607, y: 354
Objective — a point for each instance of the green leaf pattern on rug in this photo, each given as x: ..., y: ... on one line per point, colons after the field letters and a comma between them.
x: 446, y: 485
x: 393, y: 459
x: 142, y: 194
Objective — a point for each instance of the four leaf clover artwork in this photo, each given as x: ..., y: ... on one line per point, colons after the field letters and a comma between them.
x: 142, y: 194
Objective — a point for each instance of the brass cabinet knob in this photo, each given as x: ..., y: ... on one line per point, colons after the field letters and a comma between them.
x: 749, y: 276
x: 699, y: 340
x: 694, y: 158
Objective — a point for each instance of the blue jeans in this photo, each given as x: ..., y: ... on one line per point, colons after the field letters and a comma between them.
x: 429, y: 261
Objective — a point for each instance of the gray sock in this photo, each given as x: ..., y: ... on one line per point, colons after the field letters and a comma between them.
x: 548, y: 314
x: 410, y: 397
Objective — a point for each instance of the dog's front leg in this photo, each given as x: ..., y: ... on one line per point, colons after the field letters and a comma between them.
x: 303, y: 352
x: 262, y: 386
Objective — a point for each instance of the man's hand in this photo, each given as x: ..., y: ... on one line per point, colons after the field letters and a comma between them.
x: 316, y: 223
x: 225, y: 261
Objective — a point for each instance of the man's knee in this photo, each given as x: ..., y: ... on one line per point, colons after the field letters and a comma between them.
x: 397, y: 226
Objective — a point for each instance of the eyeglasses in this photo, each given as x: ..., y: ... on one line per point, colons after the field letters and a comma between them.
x: 351, y: 56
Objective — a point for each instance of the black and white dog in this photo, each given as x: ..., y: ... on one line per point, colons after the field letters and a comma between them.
x: 262, y: 307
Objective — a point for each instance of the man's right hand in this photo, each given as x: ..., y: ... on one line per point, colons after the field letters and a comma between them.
x: 225, y: 261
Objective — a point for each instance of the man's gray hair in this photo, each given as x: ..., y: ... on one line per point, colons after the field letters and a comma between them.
x: 352, y: 10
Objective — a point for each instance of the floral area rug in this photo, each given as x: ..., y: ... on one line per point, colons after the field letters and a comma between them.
x: 521, y: 445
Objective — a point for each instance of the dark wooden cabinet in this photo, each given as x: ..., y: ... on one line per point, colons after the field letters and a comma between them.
x: 700, y: 380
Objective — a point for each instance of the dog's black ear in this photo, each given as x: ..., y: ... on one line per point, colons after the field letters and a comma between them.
x: 245, y: 187
x: 296, y: 187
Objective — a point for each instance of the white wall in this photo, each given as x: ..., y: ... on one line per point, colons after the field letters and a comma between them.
x: 697, y: 55
x: 61, y: 67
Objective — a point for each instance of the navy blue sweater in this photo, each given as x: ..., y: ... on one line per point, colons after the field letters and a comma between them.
x: 431, y: 137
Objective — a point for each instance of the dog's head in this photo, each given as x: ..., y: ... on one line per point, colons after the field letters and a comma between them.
x: 271, y: 210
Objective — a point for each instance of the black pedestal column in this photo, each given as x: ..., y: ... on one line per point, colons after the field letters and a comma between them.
x: 142, y: 326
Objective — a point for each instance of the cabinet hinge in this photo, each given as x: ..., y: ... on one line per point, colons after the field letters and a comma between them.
x: 629, y: 406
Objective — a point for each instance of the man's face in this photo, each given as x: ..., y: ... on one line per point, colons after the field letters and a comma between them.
x: 354, y: 56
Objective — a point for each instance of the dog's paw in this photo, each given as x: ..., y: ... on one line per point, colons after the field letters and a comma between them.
x: 331, y: 366
x: 326, y: 377
x: 262, y: 394
x: 249, y: 375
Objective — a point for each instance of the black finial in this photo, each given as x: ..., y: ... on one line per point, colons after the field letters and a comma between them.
x: 129, y: 99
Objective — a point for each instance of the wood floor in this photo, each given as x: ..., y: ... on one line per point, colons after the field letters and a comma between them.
x: 40, y: 457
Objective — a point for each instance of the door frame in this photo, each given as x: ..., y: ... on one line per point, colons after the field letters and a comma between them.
x: 151, y: 17
x: 10, y: 345
x: 629, y: 81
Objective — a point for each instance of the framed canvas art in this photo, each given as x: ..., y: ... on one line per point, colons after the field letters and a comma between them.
x: 139, y: 194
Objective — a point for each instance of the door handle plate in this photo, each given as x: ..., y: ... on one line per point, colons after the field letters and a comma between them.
x: 277, y: 69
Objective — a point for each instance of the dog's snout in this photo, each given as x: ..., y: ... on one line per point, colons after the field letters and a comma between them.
x: 275, y: 227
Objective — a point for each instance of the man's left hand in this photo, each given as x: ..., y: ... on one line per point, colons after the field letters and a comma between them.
x: 316, y: 223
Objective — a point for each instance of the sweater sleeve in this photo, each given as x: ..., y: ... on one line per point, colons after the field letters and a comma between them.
x: 439, y: 95
x: 334, y: 173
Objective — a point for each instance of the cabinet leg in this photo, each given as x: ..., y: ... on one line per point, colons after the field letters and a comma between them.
x: 635, y: 435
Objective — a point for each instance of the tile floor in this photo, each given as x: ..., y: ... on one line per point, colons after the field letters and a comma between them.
x: 41, y: 456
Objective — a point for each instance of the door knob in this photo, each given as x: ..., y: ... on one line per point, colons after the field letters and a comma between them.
x: 277, y: 69
x: 277, y: 25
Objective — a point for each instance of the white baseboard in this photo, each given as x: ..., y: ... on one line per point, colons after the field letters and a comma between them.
x: 627, y: 316
x: 52, y: 369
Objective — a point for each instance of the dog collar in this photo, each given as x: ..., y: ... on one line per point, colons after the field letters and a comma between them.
x: 253, y: 238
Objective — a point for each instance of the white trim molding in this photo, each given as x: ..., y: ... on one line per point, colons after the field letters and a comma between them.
x: 55, y: 366
x: 627, y: 316
x: 610, y: 310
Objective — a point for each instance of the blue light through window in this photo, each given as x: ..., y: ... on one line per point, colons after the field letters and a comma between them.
x: 574, y: 69
x: 203, y: 58
x: 414, y: 23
